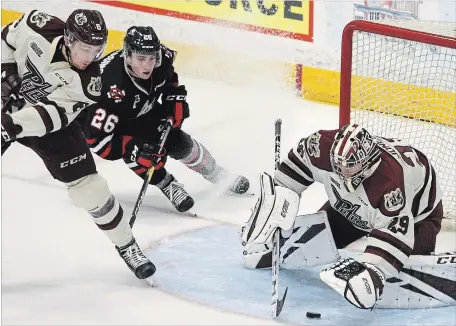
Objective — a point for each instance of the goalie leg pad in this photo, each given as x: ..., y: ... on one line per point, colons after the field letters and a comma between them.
x: 310, y: 243
x: 424, y: 282
x: 276, y: 208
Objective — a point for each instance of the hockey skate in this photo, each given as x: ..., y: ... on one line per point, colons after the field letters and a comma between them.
x: 136, y: 261
x: 177, y: 195
x: 240, y: 185
x: 237, y: 184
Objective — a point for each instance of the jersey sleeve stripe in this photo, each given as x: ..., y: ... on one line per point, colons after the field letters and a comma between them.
x: 386, y: 246
x: 45, y: 117
x: 432, y: 194
x: 106, y: 152
x: 101, y: 144
x: 125, y: 140
x: 391, y: 240
x: 61, y: 110
x: 389, y: 258
x: 300, y: 164
x: 290, y: 172
x: 91, y: 141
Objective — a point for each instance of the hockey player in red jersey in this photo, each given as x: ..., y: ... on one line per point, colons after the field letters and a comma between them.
x: 50, y: 73
x: 140, y: 92
x: 383, y: 188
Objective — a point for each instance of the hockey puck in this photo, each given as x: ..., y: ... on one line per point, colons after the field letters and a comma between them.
x: 313, y: 315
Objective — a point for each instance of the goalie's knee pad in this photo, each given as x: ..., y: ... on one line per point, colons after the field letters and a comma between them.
x: 424, y: 282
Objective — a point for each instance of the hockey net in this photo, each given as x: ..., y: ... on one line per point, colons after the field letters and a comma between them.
x: 398, y: 80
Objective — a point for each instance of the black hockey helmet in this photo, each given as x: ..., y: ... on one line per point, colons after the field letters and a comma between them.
x: 142, y: 40
x: 87, y: 26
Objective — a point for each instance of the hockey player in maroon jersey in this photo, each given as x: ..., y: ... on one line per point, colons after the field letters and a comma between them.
x: 127, y: 120
x: 50, y: 73
x: 383, y: 188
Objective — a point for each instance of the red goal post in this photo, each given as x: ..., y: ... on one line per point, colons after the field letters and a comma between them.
x: 398, y: 79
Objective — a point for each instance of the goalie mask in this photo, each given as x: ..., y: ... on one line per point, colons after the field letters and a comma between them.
x: 352, y: 155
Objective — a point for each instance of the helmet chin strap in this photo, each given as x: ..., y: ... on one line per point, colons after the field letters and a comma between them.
x: 67, y: 53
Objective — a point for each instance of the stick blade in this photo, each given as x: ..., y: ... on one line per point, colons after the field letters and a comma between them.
x: 281, y: 302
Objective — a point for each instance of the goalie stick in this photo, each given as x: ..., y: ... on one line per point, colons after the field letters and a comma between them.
x: 150, y: 173
x: 277, y: 304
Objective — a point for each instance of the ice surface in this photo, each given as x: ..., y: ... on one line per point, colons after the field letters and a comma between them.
x: 59, y: 269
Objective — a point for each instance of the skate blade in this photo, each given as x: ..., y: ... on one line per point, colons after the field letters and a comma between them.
x: 149, y: 281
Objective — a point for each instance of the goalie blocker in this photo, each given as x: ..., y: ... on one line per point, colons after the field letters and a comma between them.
x: 307, y: 241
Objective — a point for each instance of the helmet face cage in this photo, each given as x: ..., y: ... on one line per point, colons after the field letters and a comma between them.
x: 143, y: 40
x: 353, y: 152
x: 87, y: 26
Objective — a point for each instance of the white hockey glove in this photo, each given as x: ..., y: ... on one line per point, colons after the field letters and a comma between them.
x: 360, y: 283
x: 277, y: 207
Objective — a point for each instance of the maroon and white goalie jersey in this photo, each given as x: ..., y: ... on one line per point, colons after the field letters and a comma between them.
x: 402, y: 190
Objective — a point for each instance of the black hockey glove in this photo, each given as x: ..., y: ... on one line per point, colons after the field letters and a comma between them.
x: 144, y: 154
x: 11, y: 84
x: 9, y: 129
x: 150, y: 156
x: 175, y: 105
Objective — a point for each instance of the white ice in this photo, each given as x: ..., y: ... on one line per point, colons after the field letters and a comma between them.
x: 59, y: 269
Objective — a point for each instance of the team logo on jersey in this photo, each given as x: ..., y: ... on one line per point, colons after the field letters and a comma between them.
x: 40, y: 19
x: 348, y: 210
x: 394, y: 200
x: 313, y: 145
x: 94, y: 87
x: 33, y: 86
x: 146, y: 108
x: 80, y: 18
x: 116, y: 93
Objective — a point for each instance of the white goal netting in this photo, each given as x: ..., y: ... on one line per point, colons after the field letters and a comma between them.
x: 407, y: 89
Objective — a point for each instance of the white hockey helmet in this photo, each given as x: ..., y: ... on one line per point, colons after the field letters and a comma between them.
x: 352, y: 154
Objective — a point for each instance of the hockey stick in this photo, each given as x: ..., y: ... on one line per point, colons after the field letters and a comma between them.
x: 277, y: 304
x: 150, y: 173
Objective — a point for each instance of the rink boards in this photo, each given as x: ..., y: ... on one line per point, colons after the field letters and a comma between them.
x: 315, y: 84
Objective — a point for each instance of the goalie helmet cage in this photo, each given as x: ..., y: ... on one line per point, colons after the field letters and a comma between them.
x: 398, y: 80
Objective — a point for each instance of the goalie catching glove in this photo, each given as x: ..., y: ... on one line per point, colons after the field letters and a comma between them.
x: 360, y: 283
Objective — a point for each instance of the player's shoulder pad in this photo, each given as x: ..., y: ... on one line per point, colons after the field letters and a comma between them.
x: 91, y: 81
x: 46, y: 25
x: 385, y: 188
x: 317, y: 147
